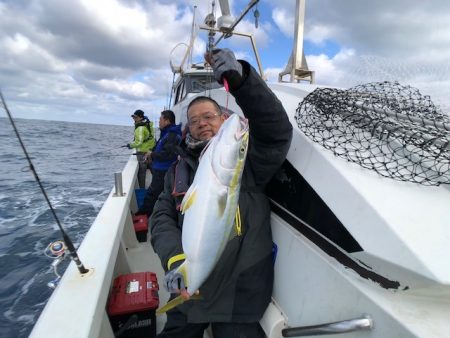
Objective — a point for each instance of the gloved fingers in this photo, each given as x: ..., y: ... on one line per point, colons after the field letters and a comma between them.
x: 219, y: 64
x: 176, y: 285
x: 215, y: 51
x: 223, y: 57
x: 223, y: 51
x: 227, y: 54
x: 174, y: 282
x: 216, y: 56
x: 225, y: 65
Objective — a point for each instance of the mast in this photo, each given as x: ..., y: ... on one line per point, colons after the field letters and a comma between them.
x: 226, y: 24
x: 191, y: 42
x: 297, y: 67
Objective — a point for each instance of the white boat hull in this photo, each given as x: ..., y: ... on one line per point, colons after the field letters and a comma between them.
x: 405, y: 249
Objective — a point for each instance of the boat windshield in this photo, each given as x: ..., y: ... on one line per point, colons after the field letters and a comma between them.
x: 199, y: 84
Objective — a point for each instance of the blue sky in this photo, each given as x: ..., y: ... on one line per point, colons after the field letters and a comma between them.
x: 110, y: 57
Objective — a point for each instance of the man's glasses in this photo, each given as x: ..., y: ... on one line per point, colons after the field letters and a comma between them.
x: 195, y: 121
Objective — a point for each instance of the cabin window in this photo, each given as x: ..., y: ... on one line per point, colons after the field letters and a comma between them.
x: 290, y: 190
x: 183, y: 90
x: 180, y: 91
x: 177, y: 93
x: 194, y: 84
x: 199, y: 84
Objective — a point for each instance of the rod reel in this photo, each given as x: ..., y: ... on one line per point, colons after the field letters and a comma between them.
x: 56, y: 251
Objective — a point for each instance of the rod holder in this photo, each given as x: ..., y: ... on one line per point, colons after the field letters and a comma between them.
x: 118, y: 185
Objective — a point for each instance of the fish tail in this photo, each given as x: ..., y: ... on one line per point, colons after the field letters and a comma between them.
x: 174, y: 303
x: 170, y: 305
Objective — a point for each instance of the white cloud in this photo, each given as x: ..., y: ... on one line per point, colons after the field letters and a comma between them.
x: 284, y: 21
x: 260, y: 34
x: 131, y: 89
x: 318, y: 34
x: 107, y: 54
x: 272, y: 74
x: 20, y: 52
x: 110, y: 57
x: 357, y: 41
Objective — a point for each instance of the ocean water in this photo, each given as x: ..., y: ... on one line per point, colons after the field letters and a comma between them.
x: 76, y: 163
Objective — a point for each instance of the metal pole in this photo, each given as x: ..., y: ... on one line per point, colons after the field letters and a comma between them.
x: 118, y: 185
x: 252, y: 39
x: 297, y: 52
x: 230, y: 30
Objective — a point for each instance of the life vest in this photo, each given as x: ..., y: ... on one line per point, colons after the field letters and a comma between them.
x: 149, y: 125
x: 165, y: 165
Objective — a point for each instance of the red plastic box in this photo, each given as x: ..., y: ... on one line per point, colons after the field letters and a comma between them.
x: 140, y: 223
x: 132, y: 304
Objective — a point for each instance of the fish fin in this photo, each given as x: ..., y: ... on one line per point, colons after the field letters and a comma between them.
x: 238, y: 222
x: 222, y: 202
x: 236, y: 230
x: 189, y: 199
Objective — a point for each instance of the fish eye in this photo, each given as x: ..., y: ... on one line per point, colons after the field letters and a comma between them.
x: 242, y: 149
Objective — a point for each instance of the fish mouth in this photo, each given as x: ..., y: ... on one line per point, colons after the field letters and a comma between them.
x: 243, y: 128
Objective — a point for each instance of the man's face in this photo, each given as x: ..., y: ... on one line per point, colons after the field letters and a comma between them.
x: 163, y: 122
x: 204, y: 120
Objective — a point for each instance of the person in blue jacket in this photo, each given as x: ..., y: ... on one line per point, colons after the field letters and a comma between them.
x: 161, y: 158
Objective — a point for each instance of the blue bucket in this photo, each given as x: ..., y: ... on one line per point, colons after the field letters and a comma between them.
x: 140, y: 195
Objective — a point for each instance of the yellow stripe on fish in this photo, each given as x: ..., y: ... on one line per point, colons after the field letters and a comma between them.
x: 189, y: 200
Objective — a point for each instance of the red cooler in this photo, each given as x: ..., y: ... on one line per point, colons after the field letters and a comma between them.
x: 132, y: 304
x: 140, y: 223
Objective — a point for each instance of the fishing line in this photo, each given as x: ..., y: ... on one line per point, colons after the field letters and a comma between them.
x: 69, y: 244
x: 100, y: 156
x: 106, y: 150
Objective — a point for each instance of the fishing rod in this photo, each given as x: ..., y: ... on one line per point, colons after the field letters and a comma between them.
x: 67, y: 241
x: 103, y: 151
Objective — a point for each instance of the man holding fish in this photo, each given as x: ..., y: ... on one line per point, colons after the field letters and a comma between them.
x: 211, y: 224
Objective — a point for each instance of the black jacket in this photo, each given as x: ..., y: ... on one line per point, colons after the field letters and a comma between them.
x: 240, y: 286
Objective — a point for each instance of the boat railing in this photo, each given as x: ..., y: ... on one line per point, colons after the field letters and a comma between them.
x: 345, y: 326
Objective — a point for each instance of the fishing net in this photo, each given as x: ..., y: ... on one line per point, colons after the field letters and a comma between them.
x: 383, y: 126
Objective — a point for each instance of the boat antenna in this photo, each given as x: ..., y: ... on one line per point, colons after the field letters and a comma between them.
x: 210, y: 21
x: 68, y: 242
x: 191, y: 42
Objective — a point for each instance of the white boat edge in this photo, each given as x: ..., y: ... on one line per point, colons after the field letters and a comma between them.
x: 77, y: 307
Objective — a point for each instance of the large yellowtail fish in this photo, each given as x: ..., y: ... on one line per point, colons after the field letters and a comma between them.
x: 210, y: 204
